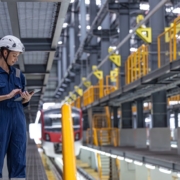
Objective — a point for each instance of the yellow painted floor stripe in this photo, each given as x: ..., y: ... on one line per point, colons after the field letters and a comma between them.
x: 47, y: 168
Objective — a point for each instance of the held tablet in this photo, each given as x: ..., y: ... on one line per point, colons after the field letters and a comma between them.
x: 30, y: 92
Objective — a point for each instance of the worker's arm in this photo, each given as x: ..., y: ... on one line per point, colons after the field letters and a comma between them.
x: 10, y: 95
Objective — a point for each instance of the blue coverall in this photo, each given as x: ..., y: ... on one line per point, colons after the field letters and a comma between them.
x: 12, y: 125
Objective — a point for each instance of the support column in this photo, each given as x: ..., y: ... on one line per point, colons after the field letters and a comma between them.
x: 82, y: 37
x: 59, y: 67
x: 176, y: 118
x: 176, y: 125
x: 71, y: 44
x: 140, y: 132
x: 124, y: 51
x: 90, y: 119
x: 106, y: 67
x: 126, y: 133
x: 64, y: 59
x: 160, y: 131
x: 93, y: 54
x: 115, y: 117
x: 157, y: 23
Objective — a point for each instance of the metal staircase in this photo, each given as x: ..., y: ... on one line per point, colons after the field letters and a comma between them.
x: 104, y: 135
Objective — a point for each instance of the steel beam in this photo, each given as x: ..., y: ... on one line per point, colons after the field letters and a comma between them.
x: 140, y: 115
x: 13, y: 14
x: 126, y: 115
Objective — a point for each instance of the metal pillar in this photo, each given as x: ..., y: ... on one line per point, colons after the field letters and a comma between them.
x: 64, y: 60
x: 59, y: 68
x: 93, y: 55
x: 106, y: 67
x: 159, y: 109
x: 176, y: 118
x: 83, y: 35
x: 90, y: 118
x: 115, y: 117
x: 67, y: 47
x: 124, y: 50
x: 157, y: 23
x: 76, y: 30
x: 71, y: 44
x: 140, y: 115
x: 126, y: 115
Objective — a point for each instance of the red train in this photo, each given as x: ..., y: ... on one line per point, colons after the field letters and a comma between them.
x: 52, y: 130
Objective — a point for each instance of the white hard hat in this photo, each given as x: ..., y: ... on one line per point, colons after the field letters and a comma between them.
x: 12, y: 43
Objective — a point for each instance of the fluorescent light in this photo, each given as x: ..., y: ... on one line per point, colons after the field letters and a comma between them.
x: 176, y: 10
x: 88, y: 27
x: 47, y: 105
x: 144, y: 6
x: 107, y: 154
x: 113, y: 156
x: 128, y: 160
x: 99, y: 27
x: 138, y: 163
x: 178, y: 174
x: 37, y: 117
x: 133, y: 49
x: 87, y: 2
x: 72, y: 1
x: 98, y: 2
x: 149, y: 166
x: 165, y: 170
x: 65, y: 25
x: 174, y: 145
x: 60, y: 42
x: 120, y: 158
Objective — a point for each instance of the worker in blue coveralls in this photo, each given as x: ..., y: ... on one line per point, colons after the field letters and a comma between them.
x: 12, y: 118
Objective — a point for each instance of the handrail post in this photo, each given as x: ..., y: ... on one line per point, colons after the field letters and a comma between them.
x: 69, y: 165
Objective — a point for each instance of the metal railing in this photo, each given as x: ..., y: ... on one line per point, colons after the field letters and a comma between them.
x: 136, y: 65
x: 169, y: 43
x: 96, y: 92
x: 104, y: 136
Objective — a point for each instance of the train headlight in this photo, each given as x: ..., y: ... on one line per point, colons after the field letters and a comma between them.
x: 47, y: 137
x: 77, y: 136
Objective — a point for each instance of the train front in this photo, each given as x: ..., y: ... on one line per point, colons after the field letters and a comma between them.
x: 52, y: 131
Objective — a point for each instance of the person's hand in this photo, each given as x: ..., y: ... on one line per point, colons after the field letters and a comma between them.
x: 13, y: 93
x: 26, y: 96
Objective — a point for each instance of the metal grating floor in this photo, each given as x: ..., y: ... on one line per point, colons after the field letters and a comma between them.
x: 34, y: 169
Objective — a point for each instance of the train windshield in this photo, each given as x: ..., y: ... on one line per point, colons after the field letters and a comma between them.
x: 52, y: 120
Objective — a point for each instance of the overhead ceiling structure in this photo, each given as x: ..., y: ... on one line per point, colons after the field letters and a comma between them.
x: 38, y: 23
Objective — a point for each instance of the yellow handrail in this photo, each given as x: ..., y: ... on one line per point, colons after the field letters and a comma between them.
x: 69, y: 165
x: 167, y: 44
x: 136, y: 65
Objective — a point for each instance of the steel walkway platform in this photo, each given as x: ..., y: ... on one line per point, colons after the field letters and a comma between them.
x: 34, y: 166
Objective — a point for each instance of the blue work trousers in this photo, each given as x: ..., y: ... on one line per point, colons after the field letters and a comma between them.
x: 13, y: 141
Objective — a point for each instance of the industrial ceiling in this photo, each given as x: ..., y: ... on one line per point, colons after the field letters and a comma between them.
x: 38, y: 23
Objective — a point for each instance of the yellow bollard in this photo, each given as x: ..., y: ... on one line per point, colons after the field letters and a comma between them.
x: 69, y: 165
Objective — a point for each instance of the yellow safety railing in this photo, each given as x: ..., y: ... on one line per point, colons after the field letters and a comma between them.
x: 110, y: 88
x: 73, y: 104
x: 69, y: 165
x: 104, y: 136
x: 96, y: 92
x: 100, y: 121
x: 78, y: 102
x: 136, y: 65
x: 174, y: 99
x: 168, y: 41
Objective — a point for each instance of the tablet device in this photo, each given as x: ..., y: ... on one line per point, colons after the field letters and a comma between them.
x: 20, y: 98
